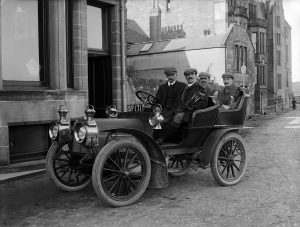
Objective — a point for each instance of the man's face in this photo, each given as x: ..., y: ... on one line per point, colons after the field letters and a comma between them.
x: 171, y: 77
x: 191, y: 78
x: 227, y: 81
x: 203, y: 80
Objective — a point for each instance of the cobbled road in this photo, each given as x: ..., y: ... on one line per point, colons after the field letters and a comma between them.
x: 268, y: 195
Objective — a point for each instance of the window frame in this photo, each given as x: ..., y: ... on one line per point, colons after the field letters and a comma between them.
x: 106, y: 28
x: 43, y: 15
x: 69, y: 46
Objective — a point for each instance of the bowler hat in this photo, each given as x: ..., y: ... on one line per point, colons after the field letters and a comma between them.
x: 190, y: 71
x: 202, y: 74
x: 227, y: 75
x: 170, y: 70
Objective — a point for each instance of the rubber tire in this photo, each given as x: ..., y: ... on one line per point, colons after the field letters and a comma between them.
x: 50, y: 171
x: 214, y: 160
x: 181, y: 173
x: 100, y: 161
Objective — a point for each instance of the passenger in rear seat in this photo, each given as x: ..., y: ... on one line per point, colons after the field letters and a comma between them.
x: 229, y: 96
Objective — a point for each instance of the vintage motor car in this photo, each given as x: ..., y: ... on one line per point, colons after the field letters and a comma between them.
x: 121, y: 158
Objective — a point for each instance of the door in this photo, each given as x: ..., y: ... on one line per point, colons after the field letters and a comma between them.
x: 100, y: 83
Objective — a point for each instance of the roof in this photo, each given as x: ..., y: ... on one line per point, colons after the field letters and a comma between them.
x: 179, y: 44
x: 134, y: 33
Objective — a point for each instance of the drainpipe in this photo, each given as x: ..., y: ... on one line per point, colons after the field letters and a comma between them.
x: 123, y: 57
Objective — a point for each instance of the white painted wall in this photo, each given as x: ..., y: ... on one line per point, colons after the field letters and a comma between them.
x: 152, y: 66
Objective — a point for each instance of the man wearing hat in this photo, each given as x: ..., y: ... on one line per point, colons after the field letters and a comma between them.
x: 193, y: 98
x: 210, y: 90
x: 169, y: 94
x: 230, y: 95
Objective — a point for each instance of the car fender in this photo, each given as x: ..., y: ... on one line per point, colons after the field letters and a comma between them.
x: 159, y: 173
x: 212, y: 139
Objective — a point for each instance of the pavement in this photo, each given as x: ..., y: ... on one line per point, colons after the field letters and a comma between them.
x: 23, y: 170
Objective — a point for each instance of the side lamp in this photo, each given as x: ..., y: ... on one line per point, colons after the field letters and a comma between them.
x: 156, y: 118
x: 60, y: 131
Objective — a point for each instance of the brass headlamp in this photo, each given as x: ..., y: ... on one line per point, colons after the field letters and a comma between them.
x: 86, y: 131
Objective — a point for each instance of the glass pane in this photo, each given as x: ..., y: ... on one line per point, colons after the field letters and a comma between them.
x: 94, y: 27
x: 20, y: 40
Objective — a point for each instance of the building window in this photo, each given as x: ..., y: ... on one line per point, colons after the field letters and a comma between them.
x: 168, y: 5
x: 278, y: 81
x: 278, y: 21
x: 278, y: 57
x: 287, y: 79
x: 254, y: 41
x: 287, y: 53
x: 69, y: 34
x: 240, y: 57
x: 252, y: 11
x: 206, y: 32
x: 236, y: 57
x: 262, y: 70
x: 24, y: 41
x: 262, y: 43
x: 97, y: 32
x: 278, y: 39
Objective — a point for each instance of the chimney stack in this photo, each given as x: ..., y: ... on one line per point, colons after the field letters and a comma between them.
x: 155, y: 21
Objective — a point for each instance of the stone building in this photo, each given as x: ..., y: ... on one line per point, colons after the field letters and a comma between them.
x: 263, y: 20
x: 279, y: 55
x: 216, y: 54
x: 194, y: 19
x: 68, y: 52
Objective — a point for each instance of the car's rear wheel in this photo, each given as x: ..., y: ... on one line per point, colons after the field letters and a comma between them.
x: 178, y: 165
x: 229, y: 161
x: 64, y: 169
x: 121, y: 172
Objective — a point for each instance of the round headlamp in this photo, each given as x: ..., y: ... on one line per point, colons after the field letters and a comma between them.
x: 53, y: 131
x: 80, y: 132
x: 111, y: 111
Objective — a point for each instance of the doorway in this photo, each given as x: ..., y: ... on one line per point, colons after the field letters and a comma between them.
x: 100, y: 83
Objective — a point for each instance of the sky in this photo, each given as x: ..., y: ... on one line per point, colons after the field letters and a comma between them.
x: 292, y: 16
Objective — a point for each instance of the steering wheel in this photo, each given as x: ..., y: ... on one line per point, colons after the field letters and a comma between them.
x: 146, y: 98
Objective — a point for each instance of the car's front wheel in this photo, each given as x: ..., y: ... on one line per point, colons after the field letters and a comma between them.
x: 65, y: 170
x: 229, y: 161
x: 121, y: 172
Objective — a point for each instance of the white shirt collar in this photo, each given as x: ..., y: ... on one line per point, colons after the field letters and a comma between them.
x: 190, y: 84
x: 170, y: 84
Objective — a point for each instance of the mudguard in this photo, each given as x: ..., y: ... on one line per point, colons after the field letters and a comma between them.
x: 211, y: 141
x: 159, y: 174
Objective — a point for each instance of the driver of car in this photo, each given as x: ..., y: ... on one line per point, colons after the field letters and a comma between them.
x: 169, y: 94
x: 193, y: 98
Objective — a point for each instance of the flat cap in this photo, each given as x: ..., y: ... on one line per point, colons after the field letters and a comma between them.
x: 227, y: 75
x: 170, y: 70
x: 190, y: 71
x: 202, y: 74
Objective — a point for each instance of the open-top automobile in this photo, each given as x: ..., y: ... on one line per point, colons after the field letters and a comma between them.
x: 121, y: 157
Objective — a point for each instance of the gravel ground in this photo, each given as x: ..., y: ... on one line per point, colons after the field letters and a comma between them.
x: 268, y: 195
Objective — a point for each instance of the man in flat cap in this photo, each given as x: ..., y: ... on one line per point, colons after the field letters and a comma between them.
x: 230, y: 95
x: 169, y: 94
x: 193, y: 98
x: 204, y: 81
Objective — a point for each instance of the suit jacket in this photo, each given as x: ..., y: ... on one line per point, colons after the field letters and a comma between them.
x: 161, y: 94
x: 193, y: 98
x: 226, y: 93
